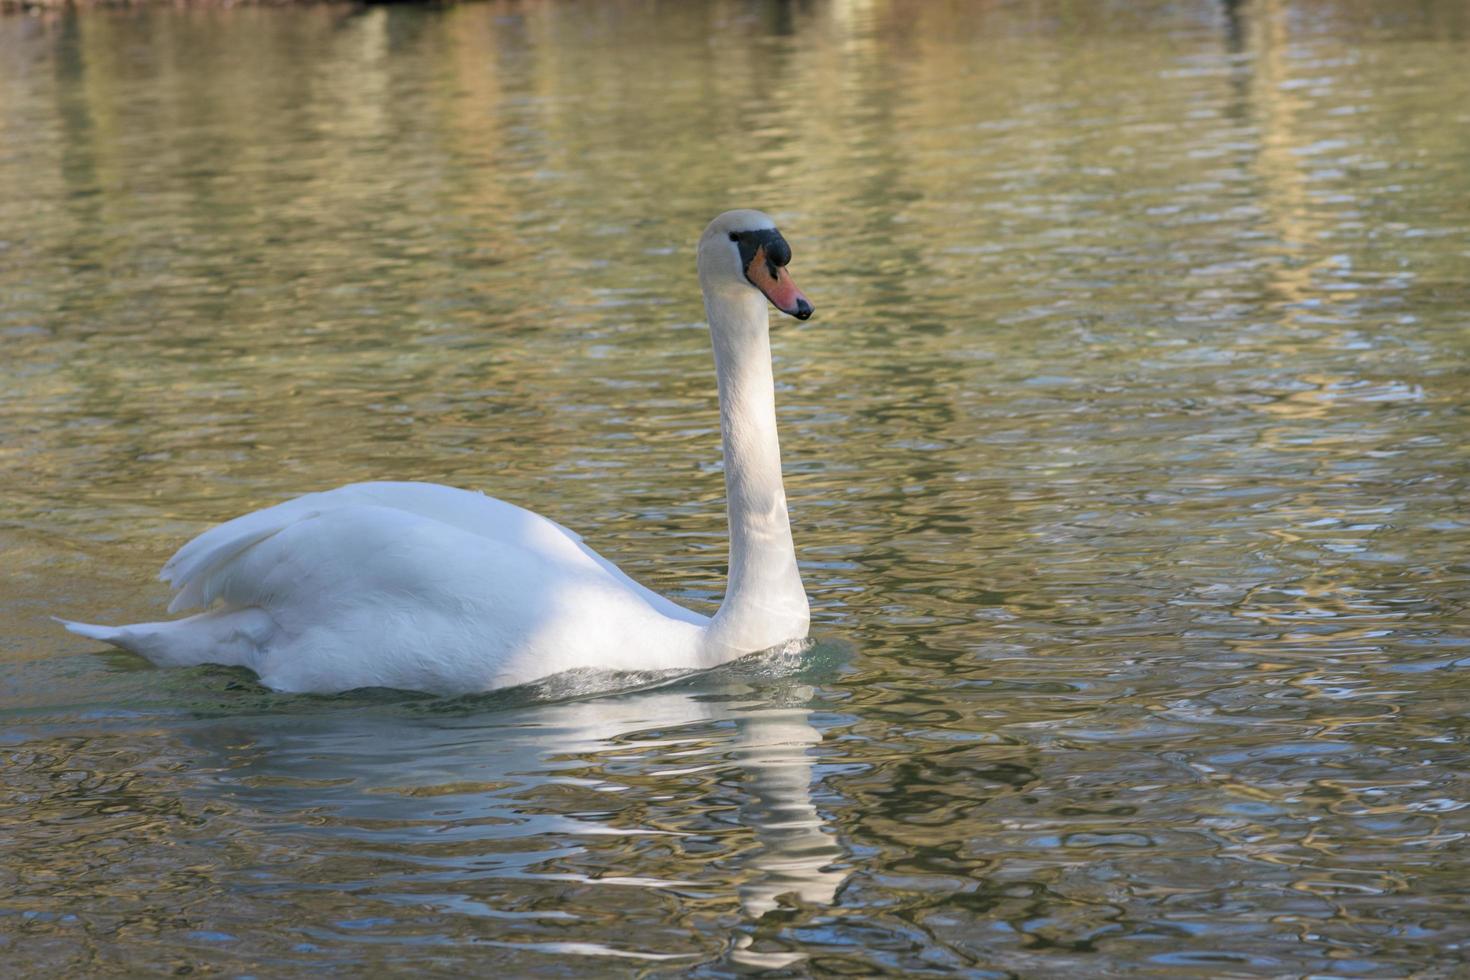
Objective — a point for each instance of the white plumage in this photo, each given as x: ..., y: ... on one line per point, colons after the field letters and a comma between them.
x: 425, y: 587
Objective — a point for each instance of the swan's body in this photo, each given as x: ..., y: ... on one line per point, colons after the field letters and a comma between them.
x: 424, y: 587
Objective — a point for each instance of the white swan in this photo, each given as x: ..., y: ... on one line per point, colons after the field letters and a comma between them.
x: 429, y: 588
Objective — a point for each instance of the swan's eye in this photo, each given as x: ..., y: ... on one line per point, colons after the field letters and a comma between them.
x: 734, y: 237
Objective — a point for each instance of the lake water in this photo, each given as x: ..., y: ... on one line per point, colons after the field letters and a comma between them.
x: 1127, y: 457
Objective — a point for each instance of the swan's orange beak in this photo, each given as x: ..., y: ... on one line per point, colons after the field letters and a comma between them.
x: 775, y: 282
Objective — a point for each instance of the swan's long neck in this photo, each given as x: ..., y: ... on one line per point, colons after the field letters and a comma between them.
x: 764, y: 600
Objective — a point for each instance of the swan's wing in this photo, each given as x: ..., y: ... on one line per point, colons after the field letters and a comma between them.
x: 193, y: 567
x: 198, y: 563
x: 209, y: 567
x: 364, y: 555
x: 499, y: 521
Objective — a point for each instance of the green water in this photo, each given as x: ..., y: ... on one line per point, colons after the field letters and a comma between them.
x: 1127, y: 457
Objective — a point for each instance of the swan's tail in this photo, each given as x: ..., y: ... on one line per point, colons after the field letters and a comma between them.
x: 107, y: 634
x: 236, y: 637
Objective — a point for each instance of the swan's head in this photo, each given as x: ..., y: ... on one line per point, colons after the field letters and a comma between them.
x: 742, y: 250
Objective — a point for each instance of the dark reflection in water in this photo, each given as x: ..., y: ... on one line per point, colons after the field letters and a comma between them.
x: 1126, y: 456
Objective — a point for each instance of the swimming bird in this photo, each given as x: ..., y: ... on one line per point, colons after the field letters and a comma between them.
x: 423, y: 587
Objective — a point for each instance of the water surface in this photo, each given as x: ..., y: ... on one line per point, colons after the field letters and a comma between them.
x: 1126, y: 456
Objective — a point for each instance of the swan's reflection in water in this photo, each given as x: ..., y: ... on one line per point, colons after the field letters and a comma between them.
x: 798, y: 856
x: 797, y: 851
x: 468, y: 810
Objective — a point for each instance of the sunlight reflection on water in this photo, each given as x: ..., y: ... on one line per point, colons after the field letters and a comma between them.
x: 1126, y: 458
